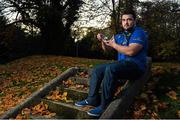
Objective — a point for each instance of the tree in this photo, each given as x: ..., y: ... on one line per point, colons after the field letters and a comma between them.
x: 161, y: 20
x: 104, y: 11
x: 52, y: 17
x: 159, y: 17
x: 3, y: 43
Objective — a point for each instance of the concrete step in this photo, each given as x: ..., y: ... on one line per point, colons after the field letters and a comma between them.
x: 76, y: 94
x: 80, y: 80
x: 67, y: 111
x: 37, y: 117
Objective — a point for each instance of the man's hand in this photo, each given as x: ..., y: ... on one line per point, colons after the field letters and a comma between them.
x: 100, y: 36
x: 104, y: 43
x: 130, y: 50
x: 110, y: 42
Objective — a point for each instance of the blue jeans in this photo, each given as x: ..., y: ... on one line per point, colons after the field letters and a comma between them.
x: 108, y: 74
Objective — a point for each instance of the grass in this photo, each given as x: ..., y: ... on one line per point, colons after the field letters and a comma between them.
x: 30, y: 73
x: 169, y: 81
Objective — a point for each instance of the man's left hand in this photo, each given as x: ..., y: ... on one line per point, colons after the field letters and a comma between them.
x: 110, y: 42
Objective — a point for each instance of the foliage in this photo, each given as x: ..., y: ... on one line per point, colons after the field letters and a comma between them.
x: 168, y: 50
x: 52, y: 17
x: 156, y: 18
x: 163, y: 30
x: 39, y: 109
x: 158, y: 100
x: 3, y: 43
x: 21, y: 77
x: 160, y: 97
x: 90, y: 44
x: 14, y: 42
x: 55, y: 19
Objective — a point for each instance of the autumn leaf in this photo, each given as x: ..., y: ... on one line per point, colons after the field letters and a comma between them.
x: 138, y: 114
x: 178, y: 113
x: 25, y: 111
x: 50, y: 115
x: 23, y: 76
x: 154, y: 115
x: 172, y: 94
x: 162, y: 105
x: 64, y: 94
x: 56, y: 95
x: 19, y: 117
x: 69, y: 101
x: 90, y: 65
x: 158, y: 70
x: 68, y: 83
x: 83, y: 74
x: 39, y: 109
x: 86, y: 108
x: 144, y: 96
x: 79, y: 86
x: 143, y: 107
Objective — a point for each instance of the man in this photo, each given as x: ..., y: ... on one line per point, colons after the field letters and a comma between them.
x: 131, y: 46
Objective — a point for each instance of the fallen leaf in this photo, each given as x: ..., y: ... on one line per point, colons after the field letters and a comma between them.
x: 172, y: 94
x: 138, y: 114
x: 64, y: 94
x: 68, y: 83
x: 55, y: 95
x: 154, y: 115
x: 162, y: 105
x: 86, y: 108
x: 144, y: 96
x: 143, y: 107
x: 178, y: 113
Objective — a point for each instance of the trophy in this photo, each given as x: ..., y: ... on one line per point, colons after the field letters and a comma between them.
x: 106, y: 37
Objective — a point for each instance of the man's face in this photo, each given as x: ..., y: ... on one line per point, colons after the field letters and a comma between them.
x: 127, y: 21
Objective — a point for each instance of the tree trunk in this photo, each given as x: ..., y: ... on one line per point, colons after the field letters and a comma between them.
x: 53, y: 35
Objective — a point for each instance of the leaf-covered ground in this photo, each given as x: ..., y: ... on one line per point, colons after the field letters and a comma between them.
x: 160, y: 97
x: 18, y: 79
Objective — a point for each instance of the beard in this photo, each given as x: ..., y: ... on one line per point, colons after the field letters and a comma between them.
x: 129, y: 29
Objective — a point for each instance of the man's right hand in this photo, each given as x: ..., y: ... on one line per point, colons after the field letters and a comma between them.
x: 100, y: 36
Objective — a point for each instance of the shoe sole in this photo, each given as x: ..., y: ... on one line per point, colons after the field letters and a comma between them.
x: 79, y: 105
x: 95, y: 115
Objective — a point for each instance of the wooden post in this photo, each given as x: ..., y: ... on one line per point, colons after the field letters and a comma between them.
x: 35, y: 97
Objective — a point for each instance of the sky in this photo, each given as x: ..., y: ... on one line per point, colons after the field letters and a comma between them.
x: 90, y: 23
x: 95, y: 23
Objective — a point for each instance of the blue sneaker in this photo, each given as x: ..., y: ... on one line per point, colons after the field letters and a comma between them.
x: 96, y: 112
x: 81, y: 103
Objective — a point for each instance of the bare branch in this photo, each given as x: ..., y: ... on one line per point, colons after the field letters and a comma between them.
x: 106, y: 4
x: 30, y: 21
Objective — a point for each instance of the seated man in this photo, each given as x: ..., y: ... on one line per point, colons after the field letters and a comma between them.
x: 131, y: 46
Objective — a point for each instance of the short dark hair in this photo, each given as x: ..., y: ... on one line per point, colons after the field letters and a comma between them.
x: 129, y: 11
